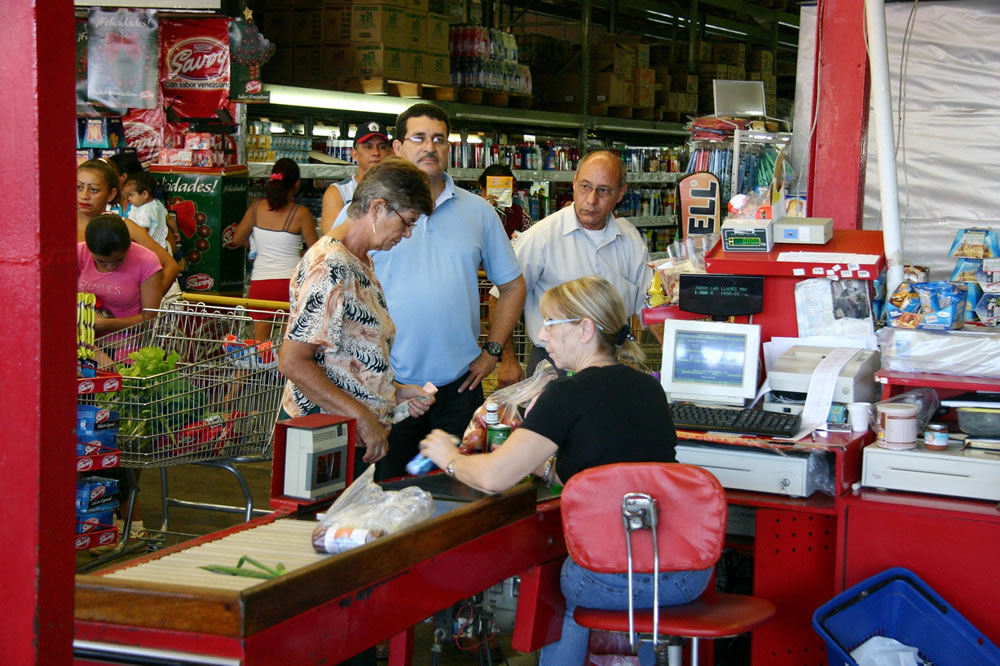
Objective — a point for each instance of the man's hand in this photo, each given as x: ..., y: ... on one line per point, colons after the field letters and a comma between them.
x: 478, y: 370
x: 418, y: 401
x: 509, y: 371
x: 374, y: 437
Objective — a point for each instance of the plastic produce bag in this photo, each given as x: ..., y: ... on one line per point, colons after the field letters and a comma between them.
x: 683, y: 256
x: 513, y: 403
x: 364, y: 512
x: 926, y: 399
x: 884, y: 651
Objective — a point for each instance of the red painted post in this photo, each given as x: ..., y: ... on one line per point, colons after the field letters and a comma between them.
x: 837, y: 159
x: 38, y: 275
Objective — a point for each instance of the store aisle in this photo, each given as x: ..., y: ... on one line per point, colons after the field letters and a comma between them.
x: 203, y: 484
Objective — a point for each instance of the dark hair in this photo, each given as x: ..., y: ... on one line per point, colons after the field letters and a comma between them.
x: 494, y: 170
x: 106, y: 234
x: 284, y: 175
x: 127, y: 162
x: 402, y: 185
x: 105, y: 169
x: 418, y: 110
x: 144, y: 182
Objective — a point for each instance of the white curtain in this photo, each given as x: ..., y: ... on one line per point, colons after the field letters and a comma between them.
x: 948, y: 155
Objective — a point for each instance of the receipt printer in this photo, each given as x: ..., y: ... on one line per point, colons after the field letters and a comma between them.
x: 791, y: 373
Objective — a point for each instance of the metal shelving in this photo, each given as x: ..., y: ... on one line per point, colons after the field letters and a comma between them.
x: 341, y: 171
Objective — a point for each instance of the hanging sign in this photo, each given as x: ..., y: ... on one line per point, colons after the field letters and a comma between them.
x: 700, y: 208
x: 121, y: 57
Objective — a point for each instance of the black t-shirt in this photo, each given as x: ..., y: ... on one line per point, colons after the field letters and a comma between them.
x: 604, y: 415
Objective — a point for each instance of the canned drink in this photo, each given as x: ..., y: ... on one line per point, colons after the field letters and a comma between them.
x: 496, y: 435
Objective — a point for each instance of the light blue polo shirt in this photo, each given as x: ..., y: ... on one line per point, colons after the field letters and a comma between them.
x: 431, y: 285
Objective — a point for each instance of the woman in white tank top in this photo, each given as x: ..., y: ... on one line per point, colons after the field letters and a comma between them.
x: 279, y: 228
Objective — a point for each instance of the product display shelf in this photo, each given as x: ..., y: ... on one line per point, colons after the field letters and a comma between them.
x: 894, y: 381
x: 103, y: 458
x: 341, y: 171
x: 651, y: 221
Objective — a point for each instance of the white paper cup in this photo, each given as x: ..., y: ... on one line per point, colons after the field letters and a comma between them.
x: 859, y: 414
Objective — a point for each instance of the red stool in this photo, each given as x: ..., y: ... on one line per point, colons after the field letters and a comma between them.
x: 655, y: 517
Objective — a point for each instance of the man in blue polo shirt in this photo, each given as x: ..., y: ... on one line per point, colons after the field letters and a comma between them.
x: 432, y: 288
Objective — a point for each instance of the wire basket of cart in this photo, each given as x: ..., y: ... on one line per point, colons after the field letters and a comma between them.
x: 196, y: 388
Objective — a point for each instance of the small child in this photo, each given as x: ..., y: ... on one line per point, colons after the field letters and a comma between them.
x: 147, y: 211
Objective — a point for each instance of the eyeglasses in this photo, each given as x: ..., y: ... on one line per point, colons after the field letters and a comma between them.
x: 570, y: 320
x: 603, y: 191
x: 553, y: 322
x: 420, y: 139
x: 406, y: 225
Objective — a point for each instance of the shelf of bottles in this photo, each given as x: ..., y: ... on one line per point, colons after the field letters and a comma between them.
x: 341, y: 171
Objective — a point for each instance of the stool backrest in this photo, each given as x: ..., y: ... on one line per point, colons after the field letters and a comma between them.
x: 692, y: 517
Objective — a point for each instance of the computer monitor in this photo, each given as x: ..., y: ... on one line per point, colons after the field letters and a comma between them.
x: 710, y: 361
x: 739, y: 98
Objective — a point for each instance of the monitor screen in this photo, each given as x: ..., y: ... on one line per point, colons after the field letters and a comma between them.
x: 720, y: 295
x: 739, y: 98
x: 710, y: 362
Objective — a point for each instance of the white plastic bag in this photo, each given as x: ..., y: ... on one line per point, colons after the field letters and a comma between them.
x: 884, y: 651
x: 365, y: 512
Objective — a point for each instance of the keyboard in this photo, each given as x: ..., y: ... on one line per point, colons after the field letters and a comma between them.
x: 688, y: 416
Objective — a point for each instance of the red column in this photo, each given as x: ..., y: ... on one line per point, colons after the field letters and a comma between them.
x: 38, y: 277
x: 837, y: 156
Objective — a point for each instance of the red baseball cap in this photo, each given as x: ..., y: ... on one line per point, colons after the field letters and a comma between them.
x: 368, y: 129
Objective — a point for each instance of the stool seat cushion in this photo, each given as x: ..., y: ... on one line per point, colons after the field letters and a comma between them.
x: 713, y: 615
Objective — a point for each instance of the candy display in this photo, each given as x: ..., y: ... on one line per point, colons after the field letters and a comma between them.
x: 194, y: 65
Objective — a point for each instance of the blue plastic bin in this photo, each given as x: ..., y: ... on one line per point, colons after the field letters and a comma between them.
x: 897, y: 604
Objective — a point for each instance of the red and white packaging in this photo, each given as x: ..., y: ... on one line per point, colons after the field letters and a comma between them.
x: 194, y: 65
x: 199, y: 141
x: 144, y: 132
x: 175, y: 157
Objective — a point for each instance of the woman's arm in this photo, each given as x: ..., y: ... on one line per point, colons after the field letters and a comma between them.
x: 170, y: 267
x: 522, y: 454
x: 297, y: 361
x: 242, y: 235
x: 150, y: 295
x: 307, y: 226
x: 332, y: 204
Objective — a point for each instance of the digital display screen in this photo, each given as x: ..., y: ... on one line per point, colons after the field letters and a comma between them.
x: 709, y: 358
x: 721, y: 295
x: 328, y: 469
x: 753, y: 241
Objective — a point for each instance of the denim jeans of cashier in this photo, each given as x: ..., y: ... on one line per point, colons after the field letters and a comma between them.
x: 583, y: 587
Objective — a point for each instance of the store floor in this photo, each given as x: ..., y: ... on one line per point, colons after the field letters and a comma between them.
x: 204, y: 484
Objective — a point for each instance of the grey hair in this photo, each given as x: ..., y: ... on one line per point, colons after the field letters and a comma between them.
x: 402, y: 185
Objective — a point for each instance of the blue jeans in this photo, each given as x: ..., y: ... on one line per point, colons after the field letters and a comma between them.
x: 583, y: 587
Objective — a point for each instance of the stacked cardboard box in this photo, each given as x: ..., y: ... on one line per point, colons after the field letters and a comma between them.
x: 329, y: 43
x: 760, y: 66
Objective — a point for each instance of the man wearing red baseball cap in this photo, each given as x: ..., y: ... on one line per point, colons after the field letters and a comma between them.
x: 371, y: 146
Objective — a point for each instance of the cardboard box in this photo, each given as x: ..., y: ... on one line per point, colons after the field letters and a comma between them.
x: 608, y: 87
x: 609, y: 57
x: 96, y: 493
x: 337, y: 23
x: 704, y: 51
x: 644, y: 98
x: 372, y: 60
x: 415, y: 29
x: 644, y: 77
x: 275, y: 25
x: 437, y: 33
x: 687, y: 83
x: 279, y: 67
x: 642, y: 55
x: 420, y: 5
x: 730, y: 53
x: 379, y: 24
x: 661, y: 76
x: 628, y: 93
x: 761, y: 60
x: 713, y: 71
x: 209, y: 204
x: 437, y: 68
x: 338, y: 61
x: 388, y: 3
x: 667, y: 54
x: 307, y: 64
x: 307, y: 27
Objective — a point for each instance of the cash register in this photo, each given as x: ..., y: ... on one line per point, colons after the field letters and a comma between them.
x: 789, y: 378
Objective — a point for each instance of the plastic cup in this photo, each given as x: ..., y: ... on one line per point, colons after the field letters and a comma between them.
x: 859, y: 414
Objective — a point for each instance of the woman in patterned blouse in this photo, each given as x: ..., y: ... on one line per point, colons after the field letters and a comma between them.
x: 336, y: 349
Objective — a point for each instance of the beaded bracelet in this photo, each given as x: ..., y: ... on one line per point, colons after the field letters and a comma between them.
x: 550, y: 465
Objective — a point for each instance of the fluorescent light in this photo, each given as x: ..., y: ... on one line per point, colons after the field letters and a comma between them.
x: 329, y: 99
x: 277, y: 128
x: 788, y: 25
x: 454, y: 137
x: 529, y: 137
x: 718, y: 27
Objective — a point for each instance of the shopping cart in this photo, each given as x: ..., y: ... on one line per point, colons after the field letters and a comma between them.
x: 519, y: 338
x: 212, y: 397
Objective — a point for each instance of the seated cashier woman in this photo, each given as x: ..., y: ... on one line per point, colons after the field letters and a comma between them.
x: 336, y: 349
x: 125, y: 276
x: 603, y: 413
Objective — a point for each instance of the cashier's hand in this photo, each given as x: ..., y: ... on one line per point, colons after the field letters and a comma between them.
x: 478, y: 370
x: 440, y: 447
x: 417, y: 407
x: 374, y: 437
